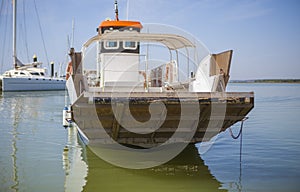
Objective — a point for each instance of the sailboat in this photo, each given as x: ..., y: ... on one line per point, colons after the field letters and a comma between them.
x: 31, y: 76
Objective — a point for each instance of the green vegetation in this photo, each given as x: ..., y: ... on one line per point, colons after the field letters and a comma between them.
x: 267, y: 81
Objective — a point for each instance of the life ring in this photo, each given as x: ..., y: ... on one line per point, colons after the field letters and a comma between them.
x: 69, y: 70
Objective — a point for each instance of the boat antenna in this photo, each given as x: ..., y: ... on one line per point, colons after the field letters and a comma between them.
x: 116, y: 10
x: 73, y: 29
x: 127, y: 14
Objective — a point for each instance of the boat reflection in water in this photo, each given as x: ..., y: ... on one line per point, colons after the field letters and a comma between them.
x: 74, y: 163
x: 87, y: 172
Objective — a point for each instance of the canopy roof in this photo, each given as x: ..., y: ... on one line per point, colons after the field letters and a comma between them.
x: 171, y: 41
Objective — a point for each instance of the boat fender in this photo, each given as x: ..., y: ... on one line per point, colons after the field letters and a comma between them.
x: 65, y: 117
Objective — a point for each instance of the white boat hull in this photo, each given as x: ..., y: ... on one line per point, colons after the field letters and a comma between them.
x: 32, y: 84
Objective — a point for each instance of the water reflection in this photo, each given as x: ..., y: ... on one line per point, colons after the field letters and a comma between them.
x: 85, y: 171
x: 74, y: 165
x: 32, y: 143
x: 17, y: 109
x: 30, y: 140
x: 14, y: 111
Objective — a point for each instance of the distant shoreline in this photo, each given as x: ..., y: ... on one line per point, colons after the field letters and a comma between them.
x: 267, y: 81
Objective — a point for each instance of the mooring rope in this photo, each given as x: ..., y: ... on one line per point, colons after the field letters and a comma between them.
x: 241, y: 129
x: 240, y: 135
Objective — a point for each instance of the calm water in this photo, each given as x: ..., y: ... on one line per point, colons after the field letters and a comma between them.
x: 38, y: 154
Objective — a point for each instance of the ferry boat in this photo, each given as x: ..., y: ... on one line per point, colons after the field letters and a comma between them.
x: 119, y: 95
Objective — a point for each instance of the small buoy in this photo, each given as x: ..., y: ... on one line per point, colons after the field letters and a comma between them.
x: 65, y: 117
x: 69, y: 114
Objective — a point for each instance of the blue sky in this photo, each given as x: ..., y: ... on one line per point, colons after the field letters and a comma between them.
x: 264, y: 34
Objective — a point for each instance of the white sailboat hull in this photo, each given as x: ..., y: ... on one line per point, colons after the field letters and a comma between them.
x: 32, y: 84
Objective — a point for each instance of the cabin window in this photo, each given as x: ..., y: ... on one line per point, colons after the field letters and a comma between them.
x: 34, y: 73
x: 22, y: 73
x: 111, y: 44
x: 129, y: 45
x: 16, y: 73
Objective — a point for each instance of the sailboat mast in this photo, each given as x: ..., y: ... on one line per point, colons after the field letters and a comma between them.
x: 14, y: 33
